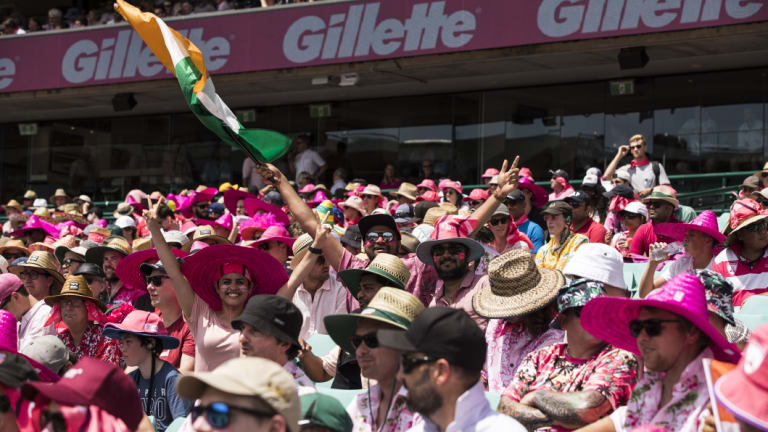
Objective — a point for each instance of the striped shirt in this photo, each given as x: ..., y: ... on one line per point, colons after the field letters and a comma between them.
x: 743, y: 275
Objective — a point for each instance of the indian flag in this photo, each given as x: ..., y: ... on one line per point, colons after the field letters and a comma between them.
x: 186, y: 61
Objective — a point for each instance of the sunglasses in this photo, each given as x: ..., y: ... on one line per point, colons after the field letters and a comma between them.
x: 757, y: 227
x: 370, y: 339
x: 635, y: 147
x: 409, y: 363
x: 68, y: 262
x: 370, y: 197
x: 12, y: 256
x: 218, y: 414
x: 628, y: 215
x: 497, y: 221
x: 476, y: 202
x: 653, y: 327
x: 156, y: 280
x: 655, y: 204
x: 440, y: 250
x: 202, y: 206
x: 32, y: 275
x: 375, y: 236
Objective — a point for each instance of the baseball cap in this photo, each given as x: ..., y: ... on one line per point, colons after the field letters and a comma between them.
x: 558, y: 208
x: 274, y: 315
x: 595, y: 171
x: 352, y: 237
x: 576, y: 294
x: 501, y: 210
x: 322, y: 410
x: 637, y: 207
x: 620, y: 190
x: 559, y: 173
x: 146, y: 269
x: 404, y: 213
x: 622, y: 174
x: 248, y: 376
x: 216, y: 208
x: 15, y: 369
x: 93, y: 382
x: 590, y: 180
x: 577, y: 197
x: 516, y: 195
x: 441, y: 332
x: 48, y: 350
x: 9, y: 283
x: 125, y: 222
x: 175, y: 236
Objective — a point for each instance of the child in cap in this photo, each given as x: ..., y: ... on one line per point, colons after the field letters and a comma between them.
x: 143, y: 338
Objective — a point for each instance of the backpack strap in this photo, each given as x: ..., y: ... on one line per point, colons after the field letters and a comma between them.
x: 656, y: 172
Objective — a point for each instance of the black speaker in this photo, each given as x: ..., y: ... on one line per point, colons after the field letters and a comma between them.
x: 123, y: 102
x: 633, y: 58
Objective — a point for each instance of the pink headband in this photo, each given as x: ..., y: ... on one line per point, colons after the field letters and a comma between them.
x: 228, y: 268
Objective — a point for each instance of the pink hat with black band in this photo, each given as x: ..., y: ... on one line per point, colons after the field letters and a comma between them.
x: 451, y: 184
x: 451, y: 229
x: 490, y: 172
x: 144, y: 324
x: 255, y: 205
x: 705, y: 222
x: 476, y: 195
x: 127, y: 269
x: 607, y: 318
x: 744, y: 390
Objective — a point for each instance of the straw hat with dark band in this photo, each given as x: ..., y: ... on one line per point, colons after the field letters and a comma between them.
x: 383, y: 265
x: 75, y: 286
x: 115, y: 243
x: 45, y: 261
x: 516, y: 287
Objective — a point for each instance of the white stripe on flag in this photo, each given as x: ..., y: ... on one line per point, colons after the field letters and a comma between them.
x: 176, y: 51
x: 213, y: 103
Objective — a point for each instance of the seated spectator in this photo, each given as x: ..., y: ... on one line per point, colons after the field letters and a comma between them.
x: 700, y: 238
x: 488, y: 174
x: 670, y: 331
x: 277, y: 242
x: 476, y: 198
x: 516, y: 202
x: 560, y: 186
x: 661, y: 204
x: 562, y: 241
x: 383, y: 406
x: 632, y: 216
x: 426, y: 185
x: 620, y: 196
x: 41, y: 279
x: 54, y: 20
x: 593, y: 187
x: 452, y: 192
x: 599, y: 263
x: 581, y: 220
x: 744, y: 262
x: 269, y: 328
x: 352, y: 240
x: 83, y: 321
x: 143, y: 338
x: 570, y: 384
x: 506, y: 235
x: 243, y: 394
x: 520, y: 308
x: 443, y: 353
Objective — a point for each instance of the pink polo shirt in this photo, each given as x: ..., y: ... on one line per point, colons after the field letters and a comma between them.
x: 462, y: 298
x: 645, y: 236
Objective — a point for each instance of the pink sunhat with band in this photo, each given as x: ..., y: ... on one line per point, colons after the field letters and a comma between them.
x: 233, y: 196
x: 476, y: 195
x: 34, y: 222
x: 705, y: 222
x: 744, y: 390
x: 427, y: 184
x: 254, y: 206
x: 451, y: 184
x: 9, y: 342
x: 608, y: 318
x: 204, y: 268
x: 275, y: 233
x: 127, y: 269
x: 185, y: 206
x: 539, y: 194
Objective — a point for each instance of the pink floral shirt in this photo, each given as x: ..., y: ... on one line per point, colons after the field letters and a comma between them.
x: 612, y: 372
x: 689, y: 397
x: 508, y: 344
x: 93, y: 344
x: 399, y: 418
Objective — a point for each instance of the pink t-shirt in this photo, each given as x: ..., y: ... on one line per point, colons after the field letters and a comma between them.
x: 215, y: 341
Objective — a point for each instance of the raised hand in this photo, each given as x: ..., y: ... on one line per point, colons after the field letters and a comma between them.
x: 150, y: 213
x: 270, y: 174
x: 507, y: 178
x: 623, y: 150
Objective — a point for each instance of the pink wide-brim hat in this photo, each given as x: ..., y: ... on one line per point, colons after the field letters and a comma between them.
x: 9, y: 342
x: 743, y: 391
x: 705, y: 222
x: 539, y: 194
x: 309, y: 188
x: 232, y: 196
x: 136, y: 198
x: 127, y: 269
x: 254, y: 205
x: 354, y: 202
x: 275, y: 233
x: 202, y: 267
x: 490, y: 172
x: 185, y: 204
x: 35, y: 222
x: 607, y: 318
x: 429, y: 184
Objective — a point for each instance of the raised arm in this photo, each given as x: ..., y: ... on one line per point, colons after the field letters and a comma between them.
x: 184, y: 293
x: 611, y: 168
x: 530, y: 417
x: 235, y: 230
x: 507, y: 183
x: 571, y: 410
x: 305, y: 266
x: 332, y: 250
x: 648, y: 283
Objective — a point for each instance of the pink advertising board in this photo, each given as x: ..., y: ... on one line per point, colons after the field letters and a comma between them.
x: 339, y: 32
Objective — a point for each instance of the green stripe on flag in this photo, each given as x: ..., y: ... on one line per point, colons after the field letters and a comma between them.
x: 260, y: 144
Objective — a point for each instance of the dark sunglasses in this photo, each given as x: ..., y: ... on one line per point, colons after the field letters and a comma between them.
x: 756, y: 227
x: 202, y: 206
x: 410, y: 363
x: 156, y: 280
x: 68, y: 262
x: 497, y: 221
x: 655, y: 204
x: 12, y: 256
x: 635, y: 147
x: 219, y: 414
x: 476, y: 202
x: 628, y: 215
x: 440, y: 250
x: 370, y: 339
x: 370, y: 197
x: 375, y: 236
x: 653, y: 327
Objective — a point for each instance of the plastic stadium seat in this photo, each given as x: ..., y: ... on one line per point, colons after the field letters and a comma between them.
x: 753, y: 312
x: 633, y: 273
x: 321, y: 344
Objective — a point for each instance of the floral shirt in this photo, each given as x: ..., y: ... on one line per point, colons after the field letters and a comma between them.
x: 689, y: 397
x: 93, y: 344
x: 549, y: 257
x: 303, y: 383
x: 612, y: 372
x: 508, y: 344
x: 398, y: 419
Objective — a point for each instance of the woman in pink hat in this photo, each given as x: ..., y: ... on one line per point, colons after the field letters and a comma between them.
x: 700, y: 239
x: 426, y: 185
x: 353, y: 210
x: 632, y: 215
x: 452, y: 192
x: 213, y: 286
x: 372, y: 198
x: 277, y: 242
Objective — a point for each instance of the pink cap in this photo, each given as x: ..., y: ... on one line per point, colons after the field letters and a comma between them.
x: 450, y: 184
x: 428, y: 196
x: 142, y: 323
x: 490, y: 172
x: 429, y: 184
x: 198, y: 245
x: 477, y: 194
x: 9, y: 283
x: 225, y: 221
x: 526, y: 172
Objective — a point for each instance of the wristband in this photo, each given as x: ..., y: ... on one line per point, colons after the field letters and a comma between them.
x: 315, y: 251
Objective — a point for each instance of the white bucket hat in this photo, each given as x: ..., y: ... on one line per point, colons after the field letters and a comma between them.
x: 598, y: 262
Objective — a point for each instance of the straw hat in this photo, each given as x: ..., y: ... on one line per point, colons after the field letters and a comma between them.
x: 354, y: 202
x: 62, y: 250
x: 14, y: 205
x: 45, y: 261
x: 123, y: 209
x: 384, y: 265
x: 448, y: 207
x: 407, y: 190
x: 516, y: 286
x: 14, y: 244
x: 372, y: 190
x: 409, y: 241
x: 433, y: 215
x: 30, y: 195
x: 115, y: 243
x: 205, y: 232
x: 392, y: 306
x: 140, y: 244
x: 60, y: 193
x: 764, y: 170
x: 300, y: 248
x: 75, y: 286
x: 663, y: 193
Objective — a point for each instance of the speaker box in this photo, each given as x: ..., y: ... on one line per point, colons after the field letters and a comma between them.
x: 123, y: 102
x: 633, y: 58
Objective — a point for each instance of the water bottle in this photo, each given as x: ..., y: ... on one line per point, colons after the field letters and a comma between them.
x: 662, y: 254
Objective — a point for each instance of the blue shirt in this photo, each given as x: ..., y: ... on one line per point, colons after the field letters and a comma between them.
x: 534, y: 233
x: 166, y: 403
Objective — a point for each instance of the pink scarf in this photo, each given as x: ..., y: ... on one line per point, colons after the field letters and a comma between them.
x: 635, y: 163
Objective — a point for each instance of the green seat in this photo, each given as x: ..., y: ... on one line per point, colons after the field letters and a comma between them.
x: 175, y: 424
x: 493, y: 399
x: 345, y: 397
x: 633, y: 273
x: 722, y: 221
x: 753, y: 312
x: 321, y: 344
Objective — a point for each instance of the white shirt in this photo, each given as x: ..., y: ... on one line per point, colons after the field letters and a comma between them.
x: 642, y: 177
x: 309, y: 161
x: 33, y: 323
x: 329, y: 299
x: 473, y: 413
x: 681, y: 265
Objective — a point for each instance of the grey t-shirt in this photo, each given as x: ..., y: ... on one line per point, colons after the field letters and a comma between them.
x: 166, y: 405
x: 642, y: 177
